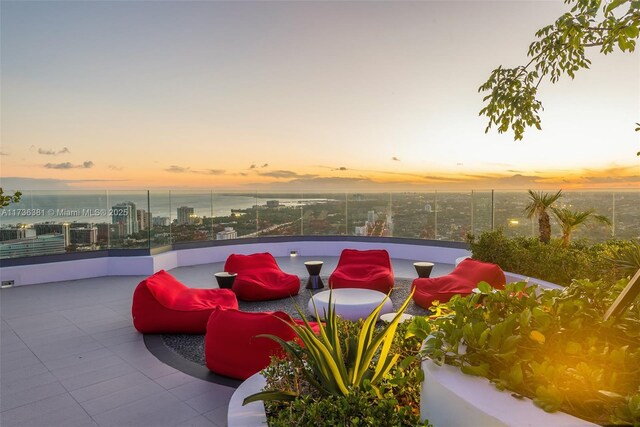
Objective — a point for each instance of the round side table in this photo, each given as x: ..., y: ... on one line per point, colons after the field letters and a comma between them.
x: 423, y: 268
x: 225, y: 279
x: 313, y: 268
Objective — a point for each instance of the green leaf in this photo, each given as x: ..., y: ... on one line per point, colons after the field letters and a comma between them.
x: 485, y: 288
x: 479, y: 370
x: 270, y: 396
x: 573, y: 348
x: 632, y: 31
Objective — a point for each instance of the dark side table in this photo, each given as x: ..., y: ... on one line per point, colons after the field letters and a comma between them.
x: 225, y: 279
x: 423, y: 268
x: 313, y: 268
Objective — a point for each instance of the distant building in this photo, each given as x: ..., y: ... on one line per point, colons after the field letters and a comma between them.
x: 273, y: 203
x: 185, y: 215
x: 46, y: 244
x: 372, y: 217
x: 53, y: 228
x: 228, y: 233
x: 144, y: 219
x: 160, y: 221
x: 427, y: 207
x: 103, y: 231
x: 84, y: 236
x: 361, y: 230
x: 16, y: 233
x: 125, y: 214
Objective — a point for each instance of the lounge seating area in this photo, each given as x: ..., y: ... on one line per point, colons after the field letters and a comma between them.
x: 233, y: 346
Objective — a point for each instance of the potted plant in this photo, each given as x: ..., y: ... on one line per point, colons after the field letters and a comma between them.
x: 350, y: 373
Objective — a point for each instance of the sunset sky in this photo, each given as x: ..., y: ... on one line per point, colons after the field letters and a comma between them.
x: 297, y: 95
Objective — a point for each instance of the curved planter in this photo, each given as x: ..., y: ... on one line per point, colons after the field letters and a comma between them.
x: 253, y: 414
x: 451, y: 398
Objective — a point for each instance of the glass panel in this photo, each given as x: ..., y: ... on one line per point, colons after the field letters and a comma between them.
x: 509, y: 214
x: 626, y: 214
x: 482, y: 212
x: 159, y: 218
x: 125, y: 211
x: 414, y: 215
x: 368, y: 214
x: 190, y: 215
x: 324, y: 214
x: 452, y: 215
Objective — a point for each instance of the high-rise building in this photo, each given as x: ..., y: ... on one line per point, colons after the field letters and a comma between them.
x: 185, y: 215
x: 361, y: 230
x: 84, y: 236
x: 372, y: 217
x: 228, y: 233
x: 125, y: 214
x: 273, y: 203
x: 144, y: 219
x: 160, y: 221
x: 53, y: 228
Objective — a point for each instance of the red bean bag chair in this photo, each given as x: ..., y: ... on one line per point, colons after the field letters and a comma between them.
x: 363, y: 269
x: 260, y: 278
x: 460, y: 281
x: 163, y: 305
x: 232, y: 348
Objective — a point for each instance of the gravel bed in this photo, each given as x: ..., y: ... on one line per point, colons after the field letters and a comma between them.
x: 191, y: 347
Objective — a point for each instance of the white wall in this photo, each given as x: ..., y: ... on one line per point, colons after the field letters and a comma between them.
x: 149, y: 264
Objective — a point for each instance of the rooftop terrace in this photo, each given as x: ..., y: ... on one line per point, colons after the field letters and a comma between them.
x: 71, y: 357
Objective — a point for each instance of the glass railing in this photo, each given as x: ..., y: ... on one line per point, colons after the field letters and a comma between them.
x: 46, y: 222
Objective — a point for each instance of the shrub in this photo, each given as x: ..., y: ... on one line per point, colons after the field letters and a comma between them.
x: 552, y: 262
x: 551, y: 346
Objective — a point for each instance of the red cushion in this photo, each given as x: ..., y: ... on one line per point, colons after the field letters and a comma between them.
x: 460, y: 281
x: 231, y: 347
x: 363, y: 269
x: 161, y: 304
x: 260, y: 278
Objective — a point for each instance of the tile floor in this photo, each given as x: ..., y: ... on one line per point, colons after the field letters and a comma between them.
x: 69, y: 356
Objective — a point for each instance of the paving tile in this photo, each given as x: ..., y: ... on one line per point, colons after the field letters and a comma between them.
x: 10, y: 347
x: 38, y: 322
x: 65, y: 348
x: 195, y: 388
x: 88, y: 313
x: 219, y: 415
x: 65, y: 415
x: 118, y: 336
x: 24, y: 383
x: 199, y: 421
x: 207, y: 402
x: 9, y: 375
x: 175, y: 380
x: 107, y: 387
x: 18, y: 359
x: 121, y: 397
x: 96, y: 376
x: 103, y: 326
x: 159, y: 410
x: 79, y: 358
x: 53, y: 336
x: 31, y: 395
x: 86, y: 366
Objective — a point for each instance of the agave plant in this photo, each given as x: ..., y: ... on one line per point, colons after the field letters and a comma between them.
x: 334, y: 368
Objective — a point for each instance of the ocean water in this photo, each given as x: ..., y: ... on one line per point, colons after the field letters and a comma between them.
x: 98, y: 207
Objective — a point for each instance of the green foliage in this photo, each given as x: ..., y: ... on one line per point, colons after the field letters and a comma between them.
x: 7, y: 200
x: 335, y: 365
x: 553, y: 262
x: 360, y: 408
x: 551, y: 346
x: 539, y: 202
x: 560, y: 49
x: 393, y: 402
x: 626, y: 259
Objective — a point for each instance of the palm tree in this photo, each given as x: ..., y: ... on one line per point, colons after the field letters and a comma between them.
x: 570, y: 220
x: 538, y: 206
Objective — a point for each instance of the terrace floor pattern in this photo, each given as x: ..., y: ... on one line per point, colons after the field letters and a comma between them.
x: 69, y: 355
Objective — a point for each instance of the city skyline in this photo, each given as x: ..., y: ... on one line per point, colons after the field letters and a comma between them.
x: 311, y: 95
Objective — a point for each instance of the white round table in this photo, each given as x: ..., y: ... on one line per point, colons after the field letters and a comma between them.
x: 350, y: 303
